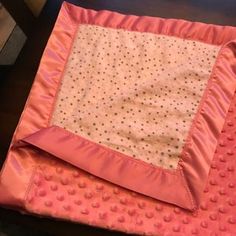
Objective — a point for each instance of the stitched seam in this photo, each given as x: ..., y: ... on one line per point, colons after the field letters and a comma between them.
x: 61, y: 77
x: 30, y: 183
x: 193, y: 126
x: 147, y: 32
x: 189, y: 192
x: 203, y: 101
x: 111, y: 151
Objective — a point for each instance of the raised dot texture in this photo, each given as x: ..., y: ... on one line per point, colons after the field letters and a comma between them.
x: 159, y: 207
x: 213, y: 217
x: 60, y: 197
x: 48, y: 204
x: 141, y: 205
x: 203, y: 206
x: 194, y: 231
x: 222, y: 209
x: 213, y: 182
x: 95, y: 204
x: 71, y: 191
x: 222, y: 174
x: 67, y: 207
x: 48, y: 177
x: 139, y: 222
x: 149, y: 215
x: 204, y: 224
x: 131, y: 212
x: 123, y: 200
x: 88, y: 195
x: 102, y: 215
x: 177, y: 210
x: 176, y: 228
x: 222, y: 228
x: 42, y: 193
x: 82, y: 184
x: 84, y: 211
x: 186, y: 220
x: 37, y: 181
x: 114, y: 208
x: 99, y: 187
x: 232, y: 220
x: 167, y: 218
x: 232, y: 202
x: 116, y: 191
x: 77, y: 202
x: 54, y: 187
x: 59, y: 170
x: 230, y: 168
x: 213, y: 198
x: 65, y: 181
x: 75, y: 174
x: 106, y: 197
x: 121, y: 219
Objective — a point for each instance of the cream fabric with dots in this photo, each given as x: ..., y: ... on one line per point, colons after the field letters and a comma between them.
x: 133, y: 92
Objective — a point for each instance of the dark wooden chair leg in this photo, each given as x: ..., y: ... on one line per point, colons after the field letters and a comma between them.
x: 21, y: 14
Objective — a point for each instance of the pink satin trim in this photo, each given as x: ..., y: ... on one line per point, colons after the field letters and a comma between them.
x: 20, y: 163
x: 208, y: 123
x: 113, y: 166
x: 207, y: 33
x: 198, y: 152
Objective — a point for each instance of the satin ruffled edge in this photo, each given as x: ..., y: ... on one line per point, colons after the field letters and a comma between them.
x: 208, y: 123
x: 197, y: 31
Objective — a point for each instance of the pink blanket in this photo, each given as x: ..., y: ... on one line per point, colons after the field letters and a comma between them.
x: 129, y: 125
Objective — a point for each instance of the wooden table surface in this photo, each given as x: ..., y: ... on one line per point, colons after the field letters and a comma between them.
x: 16, y: 84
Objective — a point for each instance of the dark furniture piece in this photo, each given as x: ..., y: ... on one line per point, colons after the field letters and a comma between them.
x: 16, y: 84
x: 21, y: 14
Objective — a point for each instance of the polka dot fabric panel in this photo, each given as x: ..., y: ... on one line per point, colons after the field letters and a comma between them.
x: 136, y: 93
